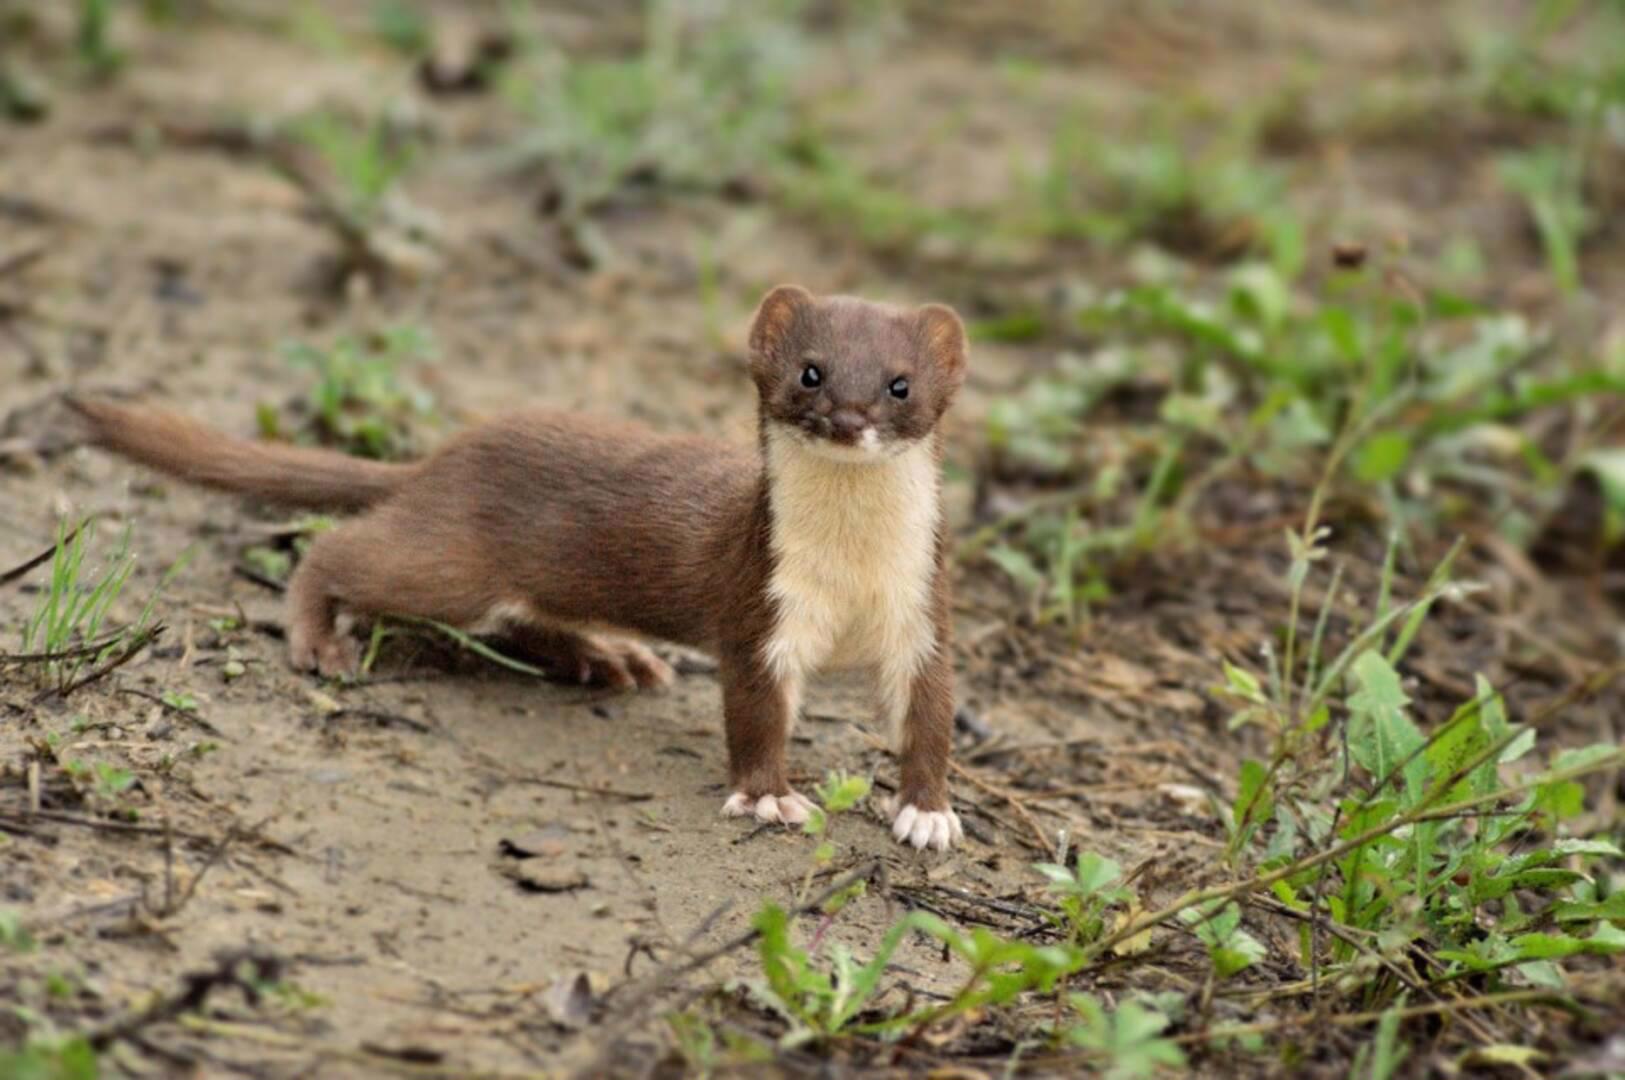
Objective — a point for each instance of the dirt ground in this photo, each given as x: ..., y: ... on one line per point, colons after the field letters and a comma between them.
x: 359, y: 832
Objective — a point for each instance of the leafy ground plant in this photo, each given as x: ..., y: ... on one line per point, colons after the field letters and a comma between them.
x: 1422, y: 867
x: 1433, y: 865
x: 705, y: 101
x: 67, y: 634
x: 1085, y: 891
x: 1130, y: 1039
x: 364, y: 399
x: 1548, y: 180
x: 94, y: 38
x: 351, y: 169
x: 51, y: 1059
x: 1216, y: 200
x: 1421, y: 404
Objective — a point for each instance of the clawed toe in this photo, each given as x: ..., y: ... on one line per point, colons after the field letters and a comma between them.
x: 791, y: 808
x: 650, y: 671
x: 936, y: 829
x: 332, y: 656
x: 622, y: 665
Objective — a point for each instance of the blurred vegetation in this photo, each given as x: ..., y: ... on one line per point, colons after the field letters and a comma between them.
x: 1205, y: 314
x: 365, y: 397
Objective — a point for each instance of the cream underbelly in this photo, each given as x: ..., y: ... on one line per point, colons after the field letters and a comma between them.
x: 854, y: 551
x: 842, y: 636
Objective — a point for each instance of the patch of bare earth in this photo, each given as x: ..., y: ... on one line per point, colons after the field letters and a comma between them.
x: 443, y: 852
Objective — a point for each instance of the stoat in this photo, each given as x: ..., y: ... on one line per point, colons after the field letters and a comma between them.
x: 822, y: 548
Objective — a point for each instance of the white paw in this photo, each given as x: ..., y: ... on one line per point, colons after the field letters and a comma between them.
x: 938, y: 829
x: 791, y: 809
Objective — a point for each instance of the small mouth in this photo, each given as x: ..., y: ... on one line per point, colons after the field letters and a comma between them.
x: 860, y: 447
x: 819, y: 429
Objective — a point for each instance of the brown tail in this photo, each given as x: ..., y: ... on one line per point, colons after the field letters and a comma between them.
x: 290, y: 475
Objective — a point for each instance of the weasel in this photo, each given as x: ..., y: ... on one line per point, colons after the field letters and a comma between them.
x: 823, y: 548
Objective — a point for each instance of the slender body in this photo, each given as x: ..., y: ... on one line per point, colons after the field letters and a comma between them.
x: 820, y: 549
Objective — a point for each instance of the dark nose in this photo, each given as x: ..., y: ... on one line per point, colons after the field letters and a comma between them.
x: 846, y: 423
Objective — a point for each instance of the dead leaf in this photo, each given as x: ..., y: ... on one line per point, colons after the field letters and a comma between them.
x: 1520, y: 1057
x: 535, y: 876
x: 546, y: 842
x: 1138, y: 943
x: 407, y: 1052
x: 1189, y: 798
x: 568, y: 1002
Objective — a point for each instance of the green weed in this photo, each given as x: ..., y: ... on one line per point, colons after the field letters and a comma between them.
x: 311, y: 23
x: 822, y: 1001
x: 61, y: 985
x: 1519, y: 71
x: 67, y: 629
x: 13, y: 934
x: 1606, y: 465
x: 111, y: 780
x: 293, y: 997
x: 1381, y: 1058
x: 73, y: 609
x: 403, y: 26
x: 364, y: 400
x: 1014, y: 328
x: 1218, y: 927
x: 706, y: 1050
x: 1549, y: 181
x: 1412, y: 398
x: 1129, y: 1039
x: 365, y: 159
x: 106, y: 782
x: 1085, y: 892
x: 696, y: 1041
x: 816, y: 180
x: 362, y: 162
x: 1419, y: 870
x: 389, y: 626
x: 820, y: 1004
x: 1424, y: 856
x: 1216, y: 199
x: 837, y: 794
x: 93, y: 39
x: 706, y: 101
x: 51, y: 1059
x: 23, y: 97
x: 355, y: 186
x: 271, y: 562
x: 1515, y: 69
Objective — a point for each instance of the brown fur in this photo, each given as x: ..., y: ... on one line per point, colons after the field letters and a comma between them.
x: 290, y: 475
x: 560, y: 524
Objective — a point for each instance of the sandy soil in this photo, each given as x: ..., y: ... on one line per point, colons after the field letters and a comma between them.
x: 359, y: 831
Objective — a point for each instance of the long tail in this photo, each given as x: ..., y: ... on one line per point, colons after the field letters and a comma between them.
x: 289, y: 475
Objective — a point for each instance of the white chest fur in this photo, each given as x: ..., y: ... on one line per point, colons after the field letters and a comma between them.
x: 854, y: 545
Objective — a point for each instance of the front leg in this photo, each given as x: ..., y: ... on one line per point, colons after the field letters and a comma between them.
x: 920, y: 701
x: 758, y: 708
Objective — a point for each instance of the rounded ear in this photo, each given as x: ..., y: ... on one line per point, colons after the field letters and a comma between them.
x: 775, y: 316
x: 944, y: 338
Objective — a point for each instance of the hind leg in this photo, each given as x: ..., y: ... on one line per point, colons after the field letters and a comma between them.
x: 591, y: 658
x: 314, y: 640
x: 378, y: 565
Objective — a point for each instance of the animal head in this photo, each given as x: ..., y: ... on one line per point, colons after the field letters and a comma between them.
x: 851, y: 379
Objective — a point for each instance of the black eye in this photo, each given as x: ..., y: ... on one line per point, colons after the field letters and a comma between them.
x: 899, y: 388
x: 811, y: 376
